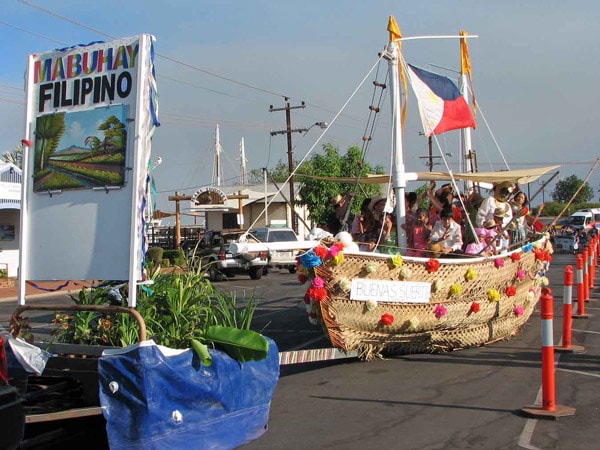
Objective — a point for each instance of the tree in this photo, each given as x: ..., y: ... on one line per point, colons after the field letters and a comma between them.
x: 49, y: 129
x: 565, y: 190
x: 317, y: 194
x: 15, y: 157
x: 278, y: 174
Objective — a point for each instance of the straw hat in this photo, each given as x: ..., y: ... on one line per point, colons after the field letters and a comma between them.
x: 501, y: 211
x: 337, y: 199
x: 503, y: 184
x: 377, y: 200
x: 489, y: 224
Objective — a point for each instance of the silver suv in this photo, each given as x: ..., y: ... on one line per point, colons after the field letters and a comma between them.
x: 213, y: 255
x: 279, y: 258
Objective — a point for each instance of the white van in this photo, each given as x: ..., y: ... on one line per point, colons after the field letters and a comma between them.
x: 583, y: 220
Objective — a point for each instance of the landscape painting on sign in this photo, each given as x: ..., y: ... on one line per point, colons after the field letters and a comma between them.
x: 80, y: 150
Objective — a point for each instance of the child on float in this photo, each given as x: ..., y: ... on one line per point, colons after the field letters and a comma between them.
x: 481, y: 248
x: 420, y: 234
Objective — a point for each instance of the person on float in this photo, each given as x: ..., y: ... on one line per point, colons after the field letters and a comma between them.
x: 446, y: 236
x: 500, y: 196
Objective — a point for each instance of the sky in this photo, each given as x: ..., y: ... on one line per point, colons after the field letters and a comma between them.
x: 224, y: 62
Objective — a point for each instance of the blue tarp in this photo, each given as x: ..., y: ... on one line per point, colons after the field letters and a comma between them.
x: 153, y: 397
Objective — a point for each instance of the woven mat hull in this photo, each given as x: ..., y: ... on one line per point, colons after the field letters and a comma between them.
x: 416, y: 329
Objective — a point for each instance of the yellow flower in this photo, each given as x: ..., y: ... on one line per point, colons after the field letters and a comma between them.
x: 405, y: 273
x: 493, y: 295
x: 537, y: 244
x: 413, y: 324
x: 530, y: 296
x: 455, y: 289
x: 345, y: 284
x: 471, y: 274
x: 397, y: 260
x: 338, y: 259
x: 371, y: 267
x: 371, y: 305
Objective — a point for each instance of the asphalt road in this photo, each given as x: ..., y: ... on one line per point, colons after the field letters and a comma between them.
x: 468, y: 399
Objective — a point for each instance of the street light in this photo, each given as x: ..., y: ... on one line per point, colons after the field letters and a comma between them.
x: 289, y: 132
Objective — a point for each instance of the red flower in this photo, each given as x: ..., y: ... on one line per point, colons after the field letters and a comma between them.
x: 307, y: 298
x: 317, y: 294
x: 475, y: 307
x: 26, y: 142
x: 321, y: 251
x: 511, y: 291
x: 386, y: 319
x: 515, y: 257
x: 432, y: 265
x: 542, y: 255
x: 302, y: 278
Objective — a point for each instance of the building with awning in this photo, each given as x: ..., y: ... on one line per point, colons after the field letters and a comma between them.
x: 10, y: 214
x: 225, y: 206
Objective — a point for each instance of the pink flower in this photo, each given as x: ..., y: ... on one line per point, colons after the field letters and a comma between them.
x: 499, y: 262
x: 440, y: 311
x: 318, y: 282
x: 334, y: 250
x: 521, y: 274
x: 518, y: 311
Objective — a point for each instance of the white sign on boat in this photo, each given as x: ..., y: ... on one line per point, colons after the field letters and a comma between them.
x: 390, y: 291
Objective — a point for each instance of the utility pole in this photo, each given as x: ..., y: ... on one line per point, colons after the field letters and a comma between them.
x: 288, y: 131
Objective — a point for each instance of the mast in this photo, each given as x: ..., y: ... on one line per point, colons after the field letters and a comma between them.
x: 463, y: 86
x: 217, y: 175
x: 398, y: 170
x: 243, y: 161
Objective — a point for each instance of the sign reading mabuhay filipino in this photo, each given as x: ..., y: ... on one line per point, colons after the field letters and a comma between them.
x: 390, y: 291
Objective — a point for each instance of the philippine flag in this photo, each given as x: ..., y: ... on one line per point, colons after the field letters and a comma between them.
x: 441, y: 106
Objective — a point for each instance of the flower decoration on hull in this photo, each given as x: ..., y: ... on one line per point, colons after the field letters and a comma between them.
x: 386, y: 319
x: 440, y: 311
x: 432, y: 265
x: 471, y: 274
x: 493, y: 295
x: 455, y: 289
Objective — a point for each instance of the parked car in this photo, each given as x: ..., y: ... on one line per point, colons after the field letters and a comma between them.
x: 212, y: 254
x: 285, y: 259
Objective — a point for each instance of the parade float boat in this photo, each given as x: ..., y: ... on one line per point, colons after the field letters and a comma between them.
x: 379, y: 304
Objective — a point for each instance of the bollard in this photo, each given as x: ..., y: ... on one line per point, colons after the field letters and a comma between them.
x: 586, y: 278
x: 549, y: 408
x: 567, y: 315
x: 591, y: 268
x: 580, y: 290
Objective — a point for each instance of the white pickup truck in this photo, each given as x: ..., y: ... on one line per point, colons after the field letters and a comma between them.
x: 215, y: 255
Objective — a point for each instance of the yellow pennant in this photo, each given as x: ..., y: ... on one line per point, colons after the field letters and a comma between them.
x: 396, y: 35
x: 465, y: 65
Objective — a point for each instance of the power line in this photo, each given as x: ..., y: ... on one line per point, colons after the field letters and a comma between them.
x: 168, y: 58
x: 33, y: 33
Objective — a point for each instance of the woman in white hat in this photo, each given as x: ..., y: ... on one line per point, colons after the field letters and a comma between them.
x: 501, y: 194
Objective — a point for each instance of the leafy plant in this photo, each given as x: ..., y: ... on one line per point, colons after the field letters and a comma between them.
x: 178, y: 309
